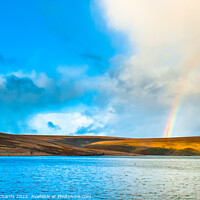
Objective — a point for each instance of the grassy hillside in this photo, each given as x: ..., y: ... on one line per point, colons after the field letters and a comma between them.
x: 34, y: 145
x: 152, y: 146
x: 38, y: 145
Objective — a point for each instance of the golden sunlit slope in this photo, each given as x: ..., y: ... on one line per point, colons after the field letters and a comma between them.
x: 152, y: 146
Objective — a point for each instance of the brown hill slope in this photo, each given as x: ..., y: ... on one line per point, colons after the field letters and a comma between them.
x: 40, y: 145
x: 31, y: 145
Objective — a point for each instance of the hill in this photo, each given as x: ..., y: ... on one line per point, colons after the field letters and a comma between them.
x: 152, y: 146
x: 42, y: 145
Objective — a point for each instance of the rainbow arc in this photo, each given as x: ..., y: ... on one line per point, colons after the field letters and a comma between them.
x: 178, y: 101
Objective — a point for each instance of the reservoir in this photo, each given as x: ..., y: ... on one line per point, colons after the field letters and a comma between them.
x: 100, y: 177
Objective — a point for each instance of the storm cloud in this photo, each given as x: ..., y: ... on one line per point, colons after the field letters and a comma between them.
x: 22, y: 96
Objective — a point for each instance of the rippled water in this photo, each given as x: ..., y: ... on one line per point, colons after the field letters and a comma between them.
x: 104, y: 177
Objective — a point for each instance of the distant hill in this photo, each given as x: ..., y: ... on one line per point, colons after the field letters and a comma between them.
x: 184, y: 146
x: 40, y: 145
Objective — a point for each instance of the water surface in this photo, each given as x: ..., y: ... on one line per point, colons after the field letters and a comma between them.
x: 103, y: 177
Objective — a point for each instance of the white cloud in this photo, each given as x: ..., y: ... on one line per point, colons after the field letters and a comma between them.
x: 72, y: 71
x: 164, y: 53
x: 165, y: 37
x: 102, y: 117
x: 2, y: 82
x: 150, y: 23
x: 40, y: 79
x: 69, y: 123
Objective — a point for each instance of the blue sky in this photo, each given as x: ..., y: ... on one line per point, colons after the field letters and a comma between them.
x: 41, y: 35
x: 73, y: 67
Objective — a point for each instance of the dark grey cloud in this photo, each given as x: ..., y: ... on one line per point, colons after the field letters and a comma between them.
x: 91, y: 130
x: 85, y: 130
x: 21, y: 90
x: 21, y: 97
x: 24, y: 91
x: 18, y: 98
x: 55, y: 127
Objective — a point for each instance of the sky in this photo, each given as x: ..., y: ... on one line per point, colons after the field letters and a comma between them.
x: 126, y: 68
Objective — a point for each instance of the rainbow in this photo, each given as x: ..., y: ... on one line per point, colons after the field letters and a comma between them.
x: 173, y: 116
x: 177, y: 104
